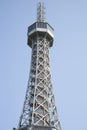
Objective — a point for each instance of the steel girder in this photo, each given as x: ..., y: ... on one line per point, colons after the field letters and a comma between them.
x: 39, y: 105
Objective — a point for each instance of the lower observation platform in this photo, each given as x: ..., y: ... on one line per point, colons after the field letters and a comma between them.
x: 35, y: 128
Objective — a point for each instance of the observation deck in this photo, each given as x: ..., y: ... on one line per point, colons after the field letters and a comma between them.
x: 40, y: 29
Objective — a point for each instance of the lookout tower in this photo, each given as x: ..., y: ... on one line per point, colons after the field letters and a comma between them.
x: 39, y: 109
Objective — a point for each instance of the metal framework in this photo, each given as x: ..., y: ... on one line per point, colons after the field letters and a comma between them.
x: 39, y: 109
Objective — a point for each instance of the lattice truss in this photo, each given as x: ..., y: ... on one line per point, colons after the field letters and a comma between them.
x: 39, y: 106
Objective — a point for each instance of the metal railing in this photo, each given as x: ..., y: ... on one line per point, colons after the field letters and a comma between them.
x: 42, y: 25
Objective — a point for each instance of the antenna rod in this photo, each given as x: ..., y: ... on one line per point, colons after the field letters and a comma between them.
x: 40, y: 12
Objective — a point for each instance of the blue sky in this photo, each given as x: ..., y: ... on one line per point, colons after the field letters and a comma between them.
x: 68, y: 59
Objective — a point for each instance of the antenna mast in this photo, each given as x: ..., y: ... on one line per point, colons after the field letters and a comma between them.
x: 40, y: 12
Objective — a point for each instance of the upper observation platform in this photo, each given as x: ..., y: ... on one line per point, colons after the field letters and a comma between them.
x: 40, y: 29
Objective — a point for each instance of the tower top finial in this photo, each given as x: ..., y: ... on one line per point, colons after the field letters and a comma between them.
x: 40, y: 12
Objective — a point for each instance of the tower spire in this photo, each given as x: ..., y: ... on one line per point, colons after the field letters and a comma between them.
x: 40, y: 12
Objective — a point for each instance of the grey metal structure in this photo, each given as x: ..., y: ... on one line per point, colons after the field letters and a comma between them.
x: 39, y: 109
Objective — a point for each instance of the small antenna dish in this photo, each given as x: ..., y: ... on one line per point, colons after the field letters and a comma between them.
x: 40, y: 12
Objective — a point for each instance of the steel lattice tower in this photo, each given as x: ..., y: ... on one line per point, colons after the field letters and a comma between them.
x: 39, y: 109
